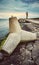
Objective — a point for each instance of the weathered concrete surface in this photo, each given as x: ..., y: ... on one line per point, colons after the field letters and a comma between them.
x: 27, y: 36
x: 14, y: 25
x: 11, y: 42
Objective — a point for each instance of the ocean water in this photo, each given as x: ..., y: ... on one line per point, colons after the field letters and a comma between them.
x: 4, y: 27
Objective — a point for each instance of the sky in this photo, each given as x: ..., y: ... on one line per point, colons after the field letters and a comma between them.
x: 19, y: 8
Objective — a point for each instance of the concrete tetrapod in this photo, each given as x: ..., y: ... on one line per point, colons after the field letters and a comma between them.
x: 16, y: 35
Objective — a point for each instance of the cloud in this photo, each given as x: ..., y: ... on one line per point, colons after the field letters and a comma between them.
x: 29, y: 1
x: 34, y: 8
x: 19, y: 6
x: 34, y: 5
x: 17, y: 14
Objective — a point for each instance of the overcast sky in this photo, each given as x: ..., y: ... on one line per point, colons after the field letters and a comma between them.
x: 18, y: 8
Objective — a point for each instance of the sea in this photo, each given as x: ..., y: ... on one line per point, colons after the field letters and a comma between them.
x: 4, y: 28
